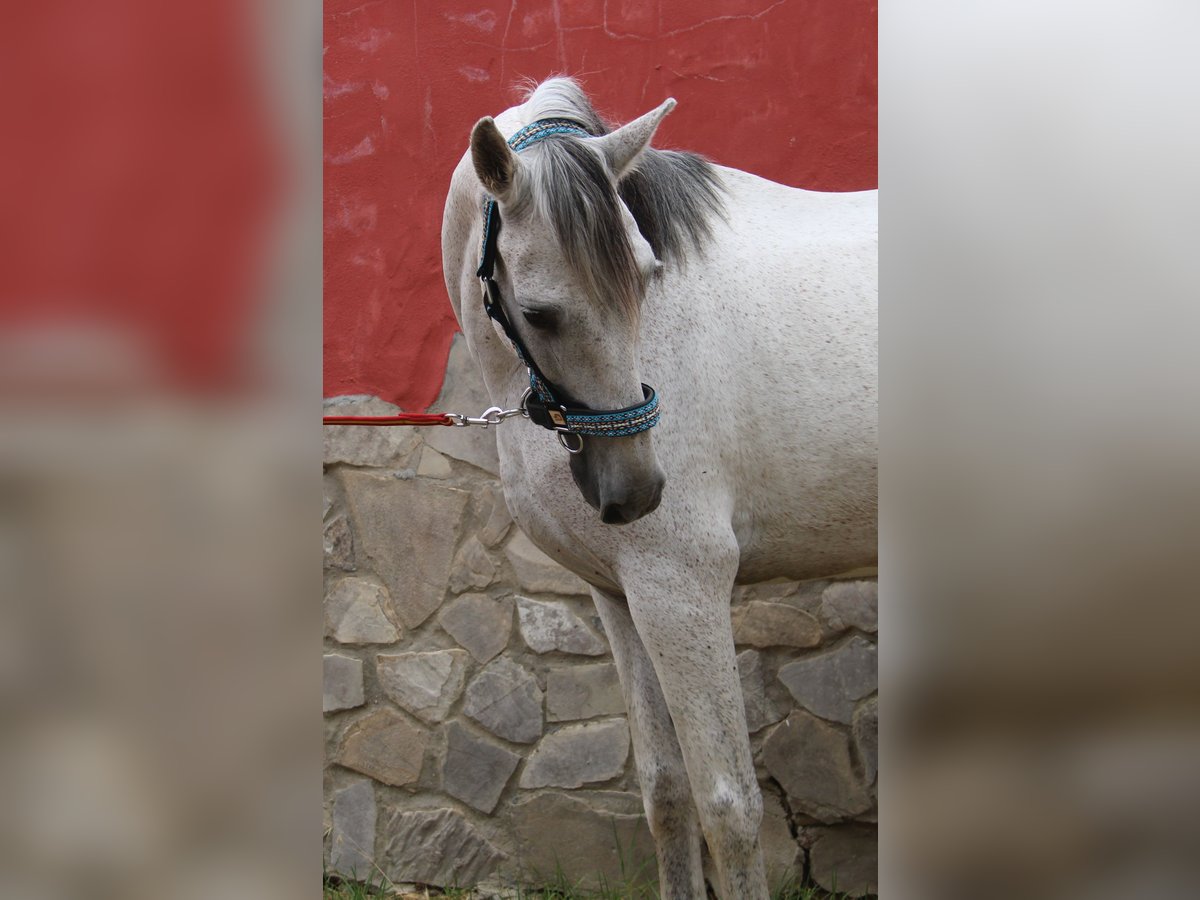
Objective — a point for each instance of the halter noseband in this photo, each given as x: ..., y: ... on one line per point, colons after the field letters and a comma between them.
x: 548, y: 405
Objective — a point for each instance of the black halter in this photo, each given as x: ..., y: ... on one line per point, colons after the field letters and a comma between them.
x: 548, y: 405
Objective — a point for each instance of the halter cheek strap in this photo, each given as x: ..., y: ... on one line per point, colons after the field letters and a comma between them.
x: 548, y: 405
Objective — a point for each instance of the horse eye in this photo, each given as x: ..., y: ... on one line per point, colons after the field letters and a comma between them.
x: 539, y: 318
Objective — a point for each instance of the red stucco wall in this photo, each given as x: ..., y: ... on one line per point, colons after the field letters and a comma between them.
x: 784, y: 89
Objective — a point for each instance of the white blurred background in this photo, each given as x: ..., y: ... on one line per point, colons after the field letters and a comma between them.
x: 1040, y: 310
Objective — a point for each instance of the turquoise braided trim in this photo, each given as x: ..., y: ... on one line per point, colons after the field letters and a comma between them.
x: 539, y: 386
x: 632, y: 421
x: 611, y: 431
x: 488, y: 203
x: 615, y: 418
x: 542, y: 129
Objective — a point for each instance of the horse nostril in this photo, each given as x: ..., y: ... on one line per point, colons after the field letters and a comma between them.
x: 613, y: 514
x: 629, y: 509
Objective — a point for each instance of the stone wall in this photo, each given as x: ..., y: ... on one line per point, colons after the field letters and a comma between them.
x: 474, y: 727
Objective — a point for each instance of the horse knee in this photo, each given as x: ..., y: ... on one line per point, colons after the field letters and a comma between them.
x: 731, y: 818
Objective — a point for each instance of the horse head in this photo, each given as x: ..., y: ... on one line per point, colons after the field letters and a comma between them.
x: 572, y: 269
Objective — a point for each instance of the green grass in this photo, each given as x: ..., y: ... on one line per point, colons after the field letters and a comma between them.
x: 336, y: 888
x: 632, y: 886
x: 557, y: 889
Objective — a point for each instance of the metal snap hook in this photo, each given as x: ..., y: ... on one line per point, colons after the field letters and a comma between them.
x: 493, y: 415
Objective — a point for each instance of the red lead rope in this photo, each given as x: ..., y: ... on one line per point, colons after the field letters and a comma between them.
x: 405, y: 419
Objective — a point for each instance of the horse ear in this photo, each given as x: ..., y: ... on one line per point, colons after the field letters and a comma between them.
x: 622, y: 147
x: 495, y: 163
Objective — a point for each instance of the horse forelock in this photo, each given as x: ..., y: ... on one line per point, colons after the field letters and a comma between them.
x: 673, y: 197
x: 573, y: 194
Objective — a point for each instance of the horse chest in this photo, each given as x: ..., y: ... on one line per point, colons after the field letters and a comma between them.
x: 545, y: 504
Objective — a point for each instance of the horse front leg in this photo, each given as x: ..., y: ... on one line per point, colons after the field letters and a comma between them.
x: 666, y: 792
x: 681, y: 611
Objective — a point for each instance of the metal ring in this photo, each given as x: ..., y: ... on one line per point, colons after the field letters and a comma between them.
x: 562, y: 439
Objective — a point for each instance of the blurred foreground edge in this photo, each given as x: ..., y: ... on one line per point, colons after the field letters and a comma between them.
x: 159, y: 340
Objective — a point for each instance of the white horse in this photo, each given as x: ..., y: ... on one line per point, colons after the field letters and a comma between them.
x: 751, y: 308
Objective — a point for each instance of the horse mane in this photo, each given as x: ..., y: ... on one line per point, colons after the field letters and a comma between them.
x: 673, y: 197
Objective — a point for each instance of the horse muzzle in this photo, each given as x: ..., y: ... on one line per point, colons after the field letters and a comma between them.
x: 619, y: 498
